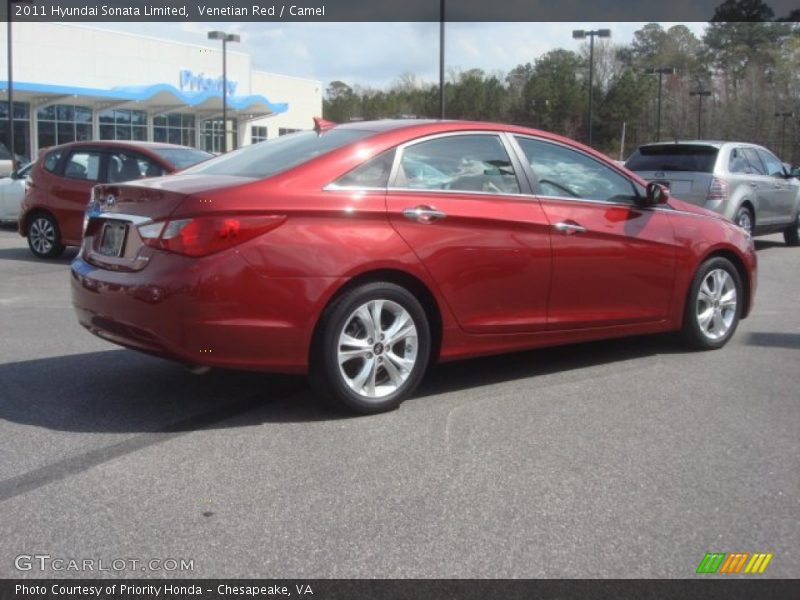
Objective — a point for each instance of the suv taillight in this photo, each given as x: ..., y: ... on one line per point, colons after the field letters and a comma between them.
x: 200, y: 236
x: 718, y: 190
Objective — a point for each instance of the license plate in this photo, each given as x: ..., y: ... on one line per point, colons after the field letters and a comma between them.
x: 113, y: 239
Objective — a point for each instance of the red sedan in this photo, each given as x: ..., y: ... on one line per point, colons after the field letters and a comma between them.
x: 361, y: 253
x: 61, y: 181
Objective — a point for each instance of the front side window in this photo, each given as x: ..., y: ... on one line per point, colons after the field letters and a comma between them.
x: 125, y: 166
x: 471, y: 163
x: 83, y: 164
x: 565, y: 173
x: 772, y: 164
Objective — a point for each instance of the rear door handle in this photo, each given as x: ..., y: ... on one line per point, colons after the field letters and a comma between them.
x: 423, y: 214
x: 568, y: 228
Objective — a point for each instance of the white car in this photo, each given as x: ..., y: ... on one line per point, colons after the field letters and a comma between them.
x: 12, y: 190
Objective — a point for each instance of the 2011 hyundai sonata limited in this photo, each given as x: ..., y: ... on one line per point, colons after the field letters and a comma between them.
x: 361, y: 253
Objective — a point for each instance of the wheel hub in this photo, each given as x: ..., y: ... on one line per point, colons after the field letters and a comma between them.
x: 378, y: 349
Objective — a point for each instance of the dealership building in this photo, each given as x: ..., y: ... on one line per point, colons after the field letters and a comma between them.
x: 73, y: 82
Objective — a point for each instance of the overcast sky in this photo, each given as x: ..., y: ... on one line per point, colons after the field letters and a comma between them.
x: 375, y: 54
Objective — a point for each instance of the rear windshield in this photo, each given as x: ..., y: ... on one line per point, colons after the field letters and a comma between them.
x: 278, y: 154
x: 181, y: 158
x: 673, y: 157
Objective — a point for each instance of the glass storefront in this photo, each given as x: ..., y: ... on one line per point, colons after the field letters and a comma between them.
x: 62, y: 123
x: 211, y: 135
x: 174, y: 128
x: 122, y: 124
x: 22, y: 115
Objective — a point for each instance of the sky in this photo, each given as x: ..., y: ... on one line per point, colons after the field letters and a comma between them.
x: 376, y: 54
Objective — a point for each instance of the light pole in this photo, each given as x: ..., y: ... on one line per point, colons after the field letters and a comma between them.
x: 9, y: 12
x: 700, y: 93
x: 441, y: 59
x: 580, y: 34
x: 784, y: 116
x: 225, y: 37
x: 661, y: 72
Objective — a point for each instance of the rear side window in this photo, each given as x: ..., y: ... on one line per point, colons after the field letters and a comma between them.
x: 674, y: 157
x: 125, y: 166
x: 754, y: 161
x: 278, y: 154
x: 475, y: 163
x: 372, y: 174
x: 51, y: 161
x: 83, y: 164
x: 738, y: 163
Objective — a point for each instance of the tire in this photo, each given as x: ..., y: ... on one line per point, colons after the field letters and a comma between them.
x: 744, y: 219
x: 375, y: 374
x: 792, y: 235
x: 44, y: 236
x: 716, y: 287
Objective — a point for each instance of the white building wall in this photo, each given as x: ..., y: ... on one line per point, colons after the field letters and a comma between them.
x: 305, y: 105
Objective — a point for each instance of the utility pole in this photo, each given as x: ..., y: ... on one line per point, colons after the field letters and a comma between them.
x: 700, y: 93
x: 661, y: 71
x: 580, y: 34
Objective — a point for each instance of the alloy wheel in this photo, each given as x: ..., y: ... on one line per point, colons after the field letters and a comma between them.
x: 716, y: 304
x: 377, y: 348
x: 42, y: 235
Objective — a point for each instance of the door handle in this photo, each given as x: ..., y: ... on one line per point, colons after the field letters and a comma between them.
x: 569, y: 228
x: 423, y: 214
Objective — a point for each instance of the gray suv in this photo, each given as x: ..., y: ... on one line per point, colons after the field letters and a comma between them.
x: 744, y: 182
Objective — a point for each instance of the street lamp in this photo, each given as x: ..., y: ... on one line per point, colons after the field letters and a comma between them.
x: 580, y: 34
x: 9, y: 9
x: 784, y: 116
x: 441, y: 59
x: 225, y: 37
x: 700, y: 93
x: 661, y: 72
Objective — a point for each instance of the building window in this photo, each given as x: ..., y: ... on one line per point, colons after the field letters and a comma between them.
x: 287, y: 130
x: 258, y: 134
x: 174, y: 128
x: 62, y: 123
x: 22, y: 117
x: 211, y: 135
x: 122, y: 124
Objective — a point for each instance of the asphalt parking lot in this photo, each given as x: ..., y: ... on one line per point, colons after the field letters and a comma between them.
x: 629, y: 458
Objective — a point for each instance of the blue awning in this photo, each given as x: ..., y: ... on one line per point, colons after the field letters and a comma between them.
x: 162, y: 94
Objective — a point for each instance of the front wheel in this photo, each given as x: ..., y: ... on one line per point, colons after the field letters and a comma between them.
x: 372, y: 349
x: 792, y: 235
x: 714, y: 305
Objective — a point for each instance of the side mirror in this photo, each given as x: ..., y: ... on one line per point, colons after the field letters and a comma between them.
x: 656, y: 194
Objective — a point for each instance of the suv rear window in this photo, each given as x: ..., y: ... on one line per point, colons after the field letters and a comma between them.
x: 673, y: 157
x: 278, y: 154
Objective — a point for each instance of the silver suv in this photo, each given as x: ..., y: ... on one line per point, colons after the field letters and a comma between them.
x: 744, y: 182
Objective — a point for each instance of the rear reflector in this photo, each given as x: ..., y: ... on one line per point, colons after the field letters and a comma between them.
x: 201, y: 236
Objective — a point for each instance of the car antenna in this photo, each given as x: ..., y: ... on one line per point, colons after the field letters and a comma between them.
x: 321, y: 125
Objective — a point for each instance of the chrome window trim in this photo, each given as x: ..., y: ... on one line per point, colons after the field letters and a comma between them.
x: 460, y: 192
x: 333, y: 187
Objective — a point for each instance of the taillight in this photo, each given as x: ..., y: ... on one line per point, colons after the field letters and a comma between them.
x: 718, y: 190
x: 200, y: 236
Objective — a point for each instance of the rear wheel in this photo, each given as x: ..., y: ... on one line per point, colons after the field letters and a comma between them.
x: 44, y: 237
x: 792, y: 235
x: 714, y: 305
x: 744, y: 219
x: 373, y: 348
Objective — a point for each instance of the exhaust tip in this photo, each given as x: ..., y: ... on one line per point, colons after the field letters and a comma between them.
x: 197, y: 369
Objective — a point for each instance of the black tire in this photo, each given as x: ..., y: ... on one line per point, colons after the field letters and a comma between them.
x: 44, y: 236
x: 744, y: 218
x: 335, y: 384
x: 792, y: 235
x: 702, y: 337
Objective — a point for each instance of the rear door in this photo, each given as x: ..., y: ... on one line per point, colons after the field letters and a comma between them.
x: 457, y: 200
x: 613, y: 260
x: 762, y: 184
x: 82, y: 169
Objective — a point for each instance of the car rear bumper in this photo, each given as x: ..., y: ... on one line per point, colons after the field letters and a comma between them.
x: 214, y: 311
